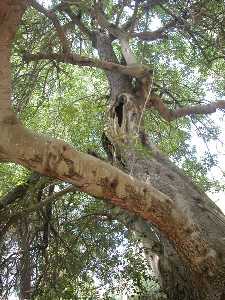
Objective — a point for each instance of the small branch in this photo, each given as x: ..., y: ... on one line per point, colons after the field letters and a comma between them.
x: 104, y: 23
x: 37, y: 206
x: 164, y: 90
x: 137, y: 71
x: 53, y: 17
x: 77, y: 21
x: 133, y: 19
x: 157, y: 34
x: 186, y: 27
x: 216, y: 58
x: 171, y: 115
x: 19, y: 191
x: 119, y: 7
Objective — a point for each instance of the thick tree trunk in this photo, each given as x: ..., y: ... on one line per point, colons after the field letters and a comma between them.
x: 189, y: 258
x: 177, y: 279
x: 205, y: 223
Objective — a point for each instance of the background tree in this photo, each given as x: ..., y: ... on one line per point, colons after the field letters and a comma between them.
x: 158, y: 82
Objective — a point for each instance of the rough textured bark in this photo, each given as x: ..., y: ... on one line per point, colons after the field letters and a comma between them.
x: 190, y: 261
x: 204, y: 223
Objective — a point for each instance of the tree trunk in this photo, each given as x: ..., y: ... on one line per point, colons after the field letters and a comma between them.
x: 134, y: 153
x: 25, y: 260
x: 189, y: 258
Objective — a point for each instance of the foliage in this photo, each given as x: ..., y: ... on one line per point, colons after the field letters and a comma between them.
x: 90, y: 252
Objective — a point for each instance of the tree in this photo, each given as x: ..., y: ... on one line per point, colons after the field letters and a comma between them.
x: 181, y: 228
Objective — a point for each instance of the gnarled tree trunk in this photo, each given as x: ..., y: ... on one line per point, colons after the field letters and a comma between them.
x: 204, y: 224
x: 183, y: 231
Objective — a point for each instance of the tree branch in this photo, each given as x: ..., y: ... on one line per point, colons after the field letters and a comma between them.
x: 155, y: 35
x: 77, y: 21
x: 104, y: 23
x: 53, y: 17
x: 119, y: 7
x: 88, y: 174
x: 116, y: 32
x: 19, y: 191
x: 127, y: 52
x: 134, y: 17
x: 8, y: 27
x: 170, y: 115
x: 137, y: 71
x: 186, y: 27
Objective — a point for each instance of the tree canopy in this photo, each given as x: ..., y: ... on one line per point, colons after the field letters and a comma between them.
x: 68, y: 217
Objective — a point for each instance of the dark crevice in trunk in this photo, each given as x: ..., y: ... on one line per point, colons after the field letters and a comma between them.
x: 176, y: 277
x: 119, y: 110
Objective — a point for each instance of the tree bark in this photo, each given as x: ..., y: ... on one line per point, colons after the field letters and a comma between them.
x: 205, y: 222
x: 190, y: 228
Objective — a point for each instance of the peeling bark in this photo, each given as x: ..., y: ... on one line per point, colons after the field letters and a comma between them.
x: 204, y: 221
x: 191, y: 263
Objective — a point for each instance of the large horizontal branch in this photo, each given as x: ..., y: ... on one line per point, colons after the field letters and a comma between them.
x: 137, y: 70
x: 55, y: 158
x: 171, y: 115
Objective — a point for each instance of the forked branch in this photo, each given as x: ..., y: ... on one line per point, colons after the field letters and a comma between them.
x: 76, y: 19
x: 157, y: 34
x: 59, y: 29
